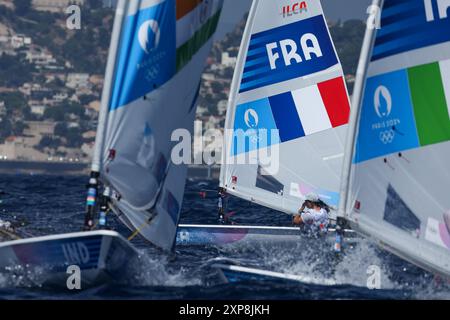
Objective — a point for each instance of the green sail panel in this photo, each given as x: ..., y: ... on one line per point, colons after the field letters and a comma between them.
x: 430, y: 103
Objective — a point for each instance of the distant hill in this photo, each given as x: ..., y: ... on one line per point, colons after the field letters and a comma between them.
x: 85, y: 51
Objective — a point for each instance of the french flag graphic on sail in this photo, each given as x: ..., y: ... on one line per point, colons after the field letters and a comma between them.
x: 295, y: 114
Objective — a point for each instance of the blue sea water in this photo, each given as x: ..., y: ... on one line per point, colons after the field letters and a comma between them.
x: 43, y: 205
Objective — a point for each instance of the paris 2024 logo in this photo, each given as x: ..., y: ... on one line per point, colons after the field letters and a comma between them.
x: 383, y: 108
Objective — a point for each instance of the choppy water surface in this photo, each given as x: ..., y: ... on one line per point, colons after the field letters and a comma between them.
x: 42, y: 205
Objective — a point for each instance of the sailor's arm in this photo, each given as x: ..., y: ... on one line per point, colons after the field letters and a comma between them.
x: 297, y: 219
x: 301, y: 209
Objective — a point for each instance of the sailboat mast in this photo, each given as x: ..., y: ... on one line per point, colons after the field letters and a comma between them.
x: 358, y: 91
x: 107, y: 86
x: 234, y: 88
x: 104, y: 106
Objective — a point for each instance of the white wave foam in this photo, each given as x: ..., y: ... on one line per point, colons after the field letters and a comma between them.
x: 155, y: 270
x: 22, y: 276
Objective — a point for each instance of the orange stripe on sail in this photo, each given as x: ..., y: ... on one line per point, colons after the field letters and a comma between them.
x: 186, y: 6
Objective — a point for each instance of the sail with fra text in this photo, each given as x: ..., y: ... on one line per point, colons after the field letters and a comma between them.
x: 288, y: 109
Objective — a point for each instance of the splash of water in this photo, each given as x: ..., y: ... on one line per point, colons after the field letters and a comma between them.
x: 22, y: 276
x: 152, y: 269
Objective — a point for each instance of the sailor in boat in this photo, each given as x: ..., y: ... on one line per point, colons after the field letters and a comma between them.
x: 7, y: 231
x: 313, y: 215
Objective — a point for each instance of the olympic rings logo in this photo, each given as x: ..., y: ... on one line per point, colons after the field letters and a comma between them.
x: 387, y: 137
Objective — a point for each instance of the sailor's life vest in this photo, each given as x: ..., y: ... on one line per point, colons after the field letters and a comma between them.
x: 316, y: 220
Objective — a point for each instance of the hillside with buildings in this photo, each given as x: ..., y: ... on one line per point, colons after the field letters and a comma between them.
x: 51, y: 77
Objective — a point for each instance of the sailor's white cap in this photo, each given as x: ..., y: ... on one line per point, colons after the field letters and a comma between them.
x: 312, y: 197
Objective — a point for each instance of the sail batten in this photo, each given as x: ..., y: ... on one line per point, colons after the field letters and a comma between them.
x: 399, y: 177
x: 287, y: 112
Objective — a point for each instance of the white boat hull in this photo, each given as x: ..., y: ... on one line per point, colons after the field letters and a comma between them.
x: 222, y: 235
x: 234, y: 273
x: 100, y: 255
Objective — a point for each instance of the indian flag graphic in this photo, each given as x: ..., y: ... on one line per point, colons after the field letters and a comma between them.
x: 196, y: 23
x: 160, y: 38
x: 430, y: 93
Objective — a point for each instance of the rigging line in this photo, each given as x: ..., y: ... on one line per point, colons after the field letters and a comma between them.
x: 10, y: 234
x: 138, y: 229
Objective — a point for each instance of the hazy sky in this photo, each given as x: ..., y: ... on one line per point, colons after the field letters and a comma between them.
x: 333, y: 9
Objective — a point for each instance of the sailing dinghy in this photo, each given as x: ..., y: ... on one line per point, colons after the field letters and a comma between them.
x: 286, y: 121
x: 396, y: 174
x: 152, y: 92
x: 101, y: 256
x: 157, y: 54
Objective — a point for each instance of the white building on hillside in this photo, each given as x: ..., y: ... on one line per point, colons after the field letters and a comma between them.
x: 38, y: 109
x: 212, y: 123
x: 222, y: 107
x: 40, y: 58
x: 54, y: 5
x: 19, y: 41
x: 78, y: 80
x: 228, y: 61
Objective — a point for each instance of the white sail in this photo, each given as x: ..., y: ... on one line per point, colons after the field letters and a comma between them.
x: 160, y: 58
x: 399, y: 177
x: 289, y: 84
